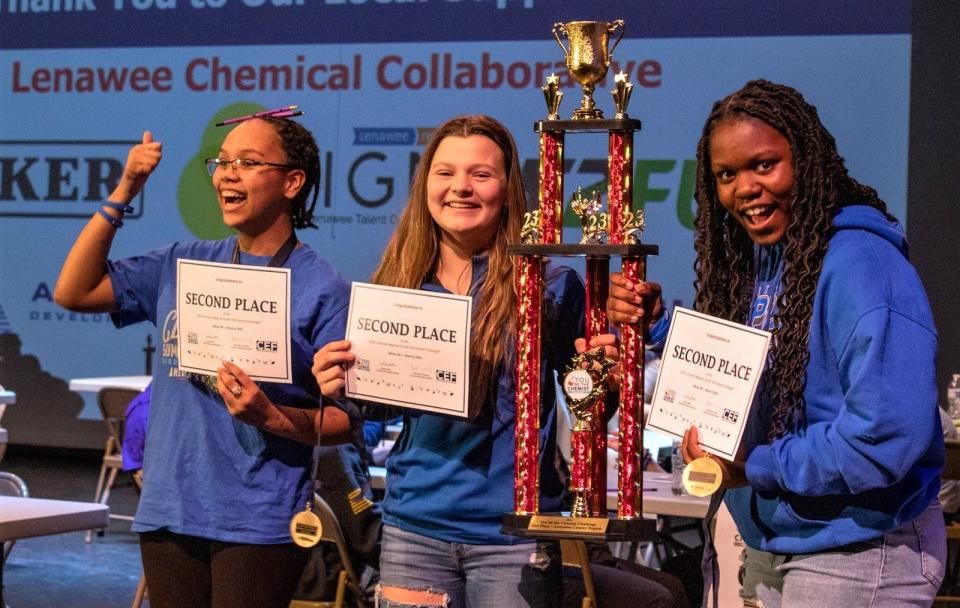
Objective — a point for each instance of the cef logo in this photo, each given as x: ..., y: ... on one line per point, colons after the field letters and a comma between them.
x: 266, y: 345
x: 445, y: 376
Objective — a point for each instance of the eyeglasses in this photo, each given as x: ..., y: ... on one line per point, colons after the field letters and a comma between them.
x: 241, y: 165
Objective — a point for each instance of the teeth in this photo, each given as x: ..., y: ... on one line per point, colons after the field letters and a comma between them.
x: 756, y: 211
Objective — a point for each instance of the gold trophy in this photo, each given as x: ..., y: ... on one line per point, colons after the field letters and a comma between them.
x: 584, y: 383
x: 593, y: 224
x: 588, y: 57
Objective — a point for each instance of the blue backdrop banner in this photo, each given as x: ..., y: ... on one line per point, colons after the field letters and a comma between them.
x: 80, y: 80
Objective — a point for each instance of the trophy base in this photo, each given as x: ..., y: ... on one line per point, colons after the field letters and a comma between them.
x: 562, y: 526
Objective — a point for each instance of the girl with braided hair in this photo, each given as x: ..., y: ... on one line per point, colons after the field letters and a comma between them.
x: 836, y: 498
x: 226, y: 463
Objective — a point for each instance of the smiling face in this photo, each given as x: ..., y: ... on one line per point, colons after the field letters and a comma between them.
x: 466, y: 190
x: 752, y: 166
x: 256, y: 201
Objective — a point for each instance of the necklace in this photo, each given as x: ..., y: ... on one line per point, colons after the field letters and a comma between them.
x: 456, y: 284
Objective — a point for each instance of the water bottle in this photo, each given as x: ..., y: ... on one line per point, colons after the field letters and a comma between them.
x: 953, y: 397
x: 676, y: 469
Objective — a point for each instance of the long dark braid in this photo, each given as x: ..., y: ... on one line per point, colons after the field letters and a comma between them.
x: 724, y: 270
x: 301, y: 149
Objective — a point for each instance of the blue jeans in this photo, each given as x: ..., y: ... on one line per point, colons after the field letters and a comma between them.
x: 472, y: 576
x: 903, y: 567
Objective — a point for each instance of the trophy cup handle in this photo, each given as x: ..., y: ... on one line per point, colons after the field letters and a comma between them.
x: 558, y: 28
x: 618, y: 24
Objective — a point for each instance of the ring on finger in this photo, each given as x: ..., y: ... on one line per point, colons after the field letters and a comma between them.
x: 237, y: 390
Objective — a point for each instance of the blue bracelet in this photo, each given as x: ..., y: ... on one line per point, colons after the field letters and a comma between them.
x: 121, y: 207
x: 116, y: 222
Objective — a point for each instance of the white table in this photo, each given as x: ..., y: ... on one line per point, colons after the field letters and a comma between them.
x: 29, y: 517
x: 659, y: 499
x: 95, y: 385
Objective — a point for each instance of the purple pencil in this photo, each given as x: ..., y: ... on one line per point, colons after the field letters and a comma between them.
x: 281, y: 112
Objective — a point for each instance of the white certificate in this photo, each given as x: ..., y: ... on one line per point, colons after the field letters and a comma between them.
x: 234, y: 313
x: 412, y: 348
x: 708, y: 376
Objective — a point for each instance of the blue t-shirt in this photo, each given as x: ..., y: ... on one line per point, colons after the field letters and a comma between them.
x: 207, y: 474
x: 451, y: 479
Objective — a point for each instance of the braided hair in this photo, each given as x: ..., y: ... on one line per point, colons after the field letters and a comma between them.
x: 724, y: 263
x: 301, y: 149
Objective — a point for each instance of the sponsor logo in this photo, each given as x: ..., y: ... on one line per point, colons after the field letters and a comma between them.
x: 61, y: 178
x: 266, y: 345
x: 445, y: 376
x: 397, y: 136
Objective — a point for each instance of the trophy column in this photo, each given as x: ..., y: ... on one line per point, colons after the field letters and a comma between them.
x: 545, y: 225
x: 597, y: 283
x: 528, y: 283
x: 622, y: 226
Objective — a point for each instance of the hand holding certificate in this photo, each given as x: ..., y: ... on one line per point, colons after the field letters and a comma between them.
x: 708, y: 376
x: 410, y: 348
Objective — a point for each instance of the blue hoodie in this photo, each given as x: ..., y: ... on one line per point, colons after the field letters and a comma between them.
x: 867, y: 458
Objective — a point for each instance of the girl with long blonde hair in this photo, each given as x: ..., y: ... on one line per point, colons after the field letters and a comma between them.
x: 449, y: 481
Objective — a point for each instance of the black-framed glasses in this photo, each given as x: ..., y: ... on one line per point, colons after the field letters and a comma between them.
x: 241, y: 165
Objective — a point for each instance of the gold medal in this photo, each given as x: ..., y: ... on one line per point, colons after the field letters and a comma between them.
x: 305, y: 528
x: 702, y: 477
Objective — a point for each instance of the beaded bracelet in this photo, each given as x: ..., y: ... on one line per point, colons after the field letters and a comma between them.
x: 116, y: 222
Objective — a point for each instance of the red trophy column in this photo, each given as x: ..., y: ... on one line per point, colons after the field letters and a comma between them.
x: 598, y: 279
x: 528, y: 283
x: 630, y: 477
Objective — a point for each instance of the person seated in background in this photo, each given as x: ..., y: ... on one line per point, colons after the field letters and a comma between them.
x: 342, y: 480
x: 619, y: 582
x: 135, y: 434
x: 375, y: 437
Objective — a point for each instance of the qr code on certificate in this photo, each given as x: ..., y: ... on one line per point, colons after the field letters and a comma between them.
x: 363, y: 365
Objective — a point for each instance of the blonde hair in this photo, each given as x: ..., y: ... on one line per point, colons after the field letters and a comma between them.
x: 411, y: 257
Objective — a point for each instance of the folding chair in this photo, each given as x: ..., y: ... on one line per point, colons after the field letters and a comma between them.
x: 113, y: 404
x: 11, y: 485
x: 347, y: 578
x: 574, y: 553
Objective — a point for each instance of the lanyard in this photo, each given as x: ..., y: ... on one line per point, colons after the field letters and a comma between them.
x: 279, y: 258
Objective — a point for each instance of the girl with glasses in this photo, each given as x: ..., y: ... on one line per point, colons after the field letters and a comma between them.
x: 225, y: 466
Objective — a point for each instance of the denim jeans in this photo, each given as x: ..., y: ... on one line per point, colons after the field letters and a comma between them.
x: 472, y: 576
x: 903, y: 567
